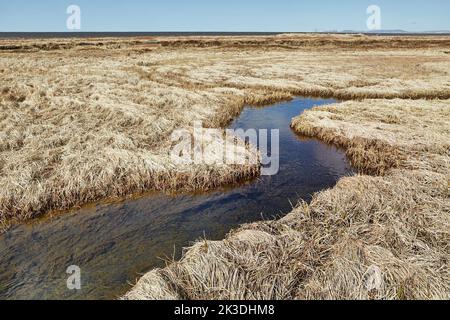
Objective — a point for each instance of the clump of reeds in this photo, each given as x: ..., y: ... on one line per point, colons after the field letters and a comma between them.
x: 324, y: 250
x: 369, y: 156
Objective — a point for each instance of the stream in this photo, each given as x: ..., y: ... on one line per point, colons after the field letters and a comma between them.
x: 115, y: 243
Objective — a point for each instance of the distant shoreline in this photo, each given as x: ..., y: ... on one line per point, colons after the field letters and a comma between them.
x: 49, y: 35
x: 55, y: 35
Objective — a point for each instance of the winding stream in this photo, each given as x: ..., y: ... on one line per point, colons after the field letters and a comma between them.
x: 114, y: 244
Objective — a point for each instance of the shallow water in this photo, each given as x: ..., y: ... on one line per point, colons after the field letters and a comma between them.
x: 114, y: 244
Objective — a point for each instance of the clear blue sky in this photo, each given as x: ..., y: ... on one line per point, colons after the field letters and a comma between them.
x: 225, y: 15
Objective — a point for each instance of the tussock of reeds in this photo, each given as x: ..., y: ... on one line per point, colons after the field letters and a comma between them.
x: 396, y: 223
x: 367, y: 156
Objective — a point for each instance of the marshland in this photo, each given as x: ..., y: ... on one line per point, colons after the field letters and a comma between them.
x: 88, y: 122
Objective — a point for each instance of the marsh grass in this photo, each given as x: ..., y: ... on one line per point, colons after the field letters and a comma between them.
x: 85, y: 120
x: 396, y: 219
x: 82, y: 120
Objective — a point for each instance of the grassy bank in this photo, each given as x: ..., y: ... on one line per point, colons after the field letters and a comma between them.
x: 395, y: 221
x: 84, y: 120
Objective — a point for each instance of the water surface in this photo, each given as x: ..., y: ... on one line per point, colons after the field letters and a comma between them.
x: 114, y: 244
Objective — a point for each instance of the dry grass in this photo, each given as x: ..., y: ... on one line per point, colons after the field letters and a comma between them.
x: 398, y: 222
x: 285, y: 41
x: 84, y: 120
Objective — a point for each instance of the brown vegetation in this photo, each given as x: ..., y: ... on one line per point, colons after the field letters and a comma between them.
x: 283, y: 41
x: 397, y: 223
x: 84, y: 120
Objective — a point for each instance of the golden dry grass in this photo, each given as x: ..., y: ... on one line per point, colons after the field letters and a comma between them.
x: 398, y: 223
x: 83, y: 120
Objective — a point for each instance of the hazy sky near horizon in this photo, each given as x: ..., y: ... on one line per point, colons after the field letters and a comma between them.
x: 226, y: 15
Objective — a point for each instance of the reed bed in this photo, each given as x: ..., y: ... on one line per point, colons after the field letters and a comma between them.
x: 395, y: 221
x: 88, y: 119
x: 82, y: 120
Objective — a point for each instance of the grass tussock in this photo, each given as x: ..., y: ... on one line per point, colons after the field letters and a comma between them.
x: 86, y: 119
x: 368, y: 156
x: 396, y: 223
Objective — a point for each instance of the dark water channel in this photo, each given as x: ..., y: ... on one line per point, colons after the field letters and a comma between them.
x: 114, y: 243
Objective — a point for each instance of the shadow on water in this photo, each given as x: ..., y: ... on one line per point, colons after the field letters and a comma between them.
x: 114, y: 244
